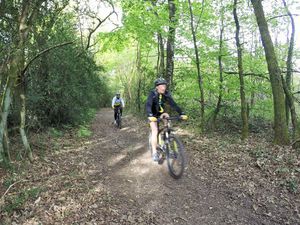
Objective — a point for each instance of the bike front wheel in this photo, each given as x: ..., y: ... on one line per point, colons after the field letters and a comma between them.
x: 175, y: 157
x: 119, y: 121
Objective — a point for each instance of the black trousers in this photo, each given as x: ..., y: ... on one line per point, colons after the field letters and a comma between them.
x: 116, y: 111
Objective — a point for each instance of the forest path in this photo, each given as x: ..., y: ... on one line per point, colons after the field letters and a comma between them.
x: 109, y: 178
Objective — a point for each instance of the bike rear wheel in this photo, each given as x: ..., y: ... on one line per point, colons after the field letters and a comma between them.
x: 175, y: 157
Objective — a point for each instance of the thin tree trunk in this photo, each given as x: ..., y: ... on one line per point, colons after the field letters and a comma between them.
x: 245, y: 126
x: 221, y: 87
x: 20, y: 87
x: 6, y: 144
x: 290, y: 99
x: 22, y: 130
x: 160, y: 67
x: 171, y: 42
x: 197, y: 59
x: 161, y: 55
x: 139, y: 74
x: 281, y: 135
x: 290, y: 107
x: 5, y: 104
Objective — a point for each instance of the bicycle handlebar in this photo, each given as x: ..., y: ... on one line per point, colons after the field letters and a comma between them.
x: 170, y: 118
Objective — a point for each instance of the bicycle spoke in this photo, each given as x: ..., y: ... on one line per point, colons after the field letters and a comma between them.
x: 175, y: 157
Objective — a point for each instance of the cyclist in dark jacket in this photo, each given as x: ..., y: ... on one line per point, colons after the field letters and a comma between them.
x: 155, y: 108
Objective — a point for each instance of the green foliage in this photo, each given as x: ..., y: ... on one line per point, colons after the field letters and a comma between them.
x: 64, y: 91
x: 13, y: 203
x: 63, y: 85
x: 55, y: 132
x: 115, y: 41
x: 292, y: 185
x: 84, y: 131
x: 10, y: 180
x: 144, y: 20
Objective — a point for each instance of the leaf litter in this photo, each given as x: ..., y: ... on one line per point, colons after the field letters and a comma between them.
x: 109, y: 178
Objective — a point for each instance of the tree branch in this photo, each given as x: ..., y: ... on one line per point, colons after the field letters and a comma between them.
x: 43, y: 52
x: 248, y: 74
x: 279, y: 16
x: 99, y: 24
x: 2, y: 197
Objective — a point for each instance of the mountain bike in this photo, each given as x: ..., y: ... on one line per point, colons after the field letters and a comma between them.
x: 169, y: 147
x: 119, y: 118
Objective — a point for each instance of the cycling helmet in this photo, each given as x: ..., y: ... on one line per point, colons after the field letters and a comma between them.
x: 160, y: 81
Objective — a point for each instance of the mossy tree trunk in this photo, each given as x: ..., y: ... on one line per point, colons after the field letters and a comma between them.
x: 15, y: 72
x: 5, y: 104
x: 281, y: 135
x: 290, y: 106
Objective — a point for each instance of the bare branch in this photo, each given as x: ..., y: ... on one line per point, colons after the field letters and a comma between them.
x: 43, y: 52
x: 279, y: 16
x: 99, y: 23
x: 294, y: 71
x: 248, y: 74
x: 2, y: 197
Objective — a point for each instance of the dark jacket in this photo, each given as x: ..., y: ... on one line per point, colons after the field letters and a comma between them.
x: 154, y: 103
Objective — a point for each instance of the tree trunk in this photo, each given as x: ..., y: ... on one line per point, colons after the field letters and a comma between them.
x: 161, y: 56
x: 20, y: 89
x: 281, y: 135
x: 290, y: 100
x: 290, y: 107
x: 160, y: 67
x: 221, y: 87
x: 245, y: 126
x: 5, y: 104
x: 139, y: 74
x: 197, y: 59
x: 22, y: 130
x: 171, y: 42
x: 6, y: 145
x: 16, y: 65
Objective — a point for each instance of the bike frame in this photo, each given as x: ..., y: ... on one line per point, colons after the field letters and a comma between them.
x: 165, y: 130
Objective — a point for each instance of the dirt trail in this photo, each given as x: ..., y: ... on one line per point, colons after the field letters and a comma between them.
x: 110, y: 179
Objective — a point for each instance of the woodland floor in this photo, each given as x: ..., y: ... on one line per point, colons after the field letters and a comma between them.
x: 109, y: 178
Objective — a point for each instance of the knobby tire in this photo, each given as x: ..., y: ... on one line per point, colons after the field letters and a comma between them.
x: 119, y: 121
x: 175, y: 157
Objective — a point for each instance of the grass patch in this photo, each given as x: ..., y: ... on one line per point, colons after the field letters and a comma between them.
x: 258, y: 153
x: 84, y: 131
x: 292, y: 185
x: 13, y: 203
x: 55, y: 132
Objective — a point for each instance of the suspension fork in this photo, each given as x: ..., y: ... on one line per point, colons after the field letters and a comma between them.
x: 167, y: 137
